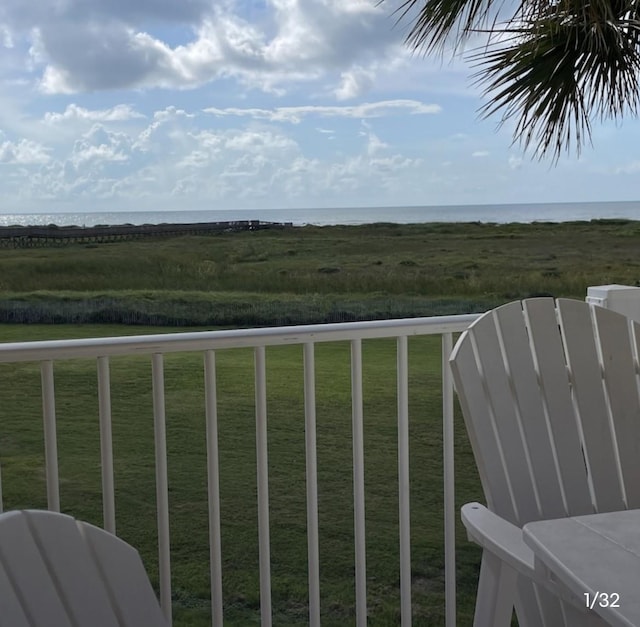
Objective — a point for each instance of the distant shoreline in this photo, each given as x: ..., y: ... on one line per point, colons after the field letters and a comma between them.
x: 346, y: 216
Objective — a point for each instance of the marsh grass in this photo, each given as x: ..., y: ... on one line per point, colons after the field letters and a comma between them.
x: 179, y: 308
x: 315, y: 274
x: 471, y: 262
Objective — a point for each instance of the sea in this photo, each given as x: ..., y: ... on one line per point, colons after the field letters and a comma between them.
x: 505, y: 213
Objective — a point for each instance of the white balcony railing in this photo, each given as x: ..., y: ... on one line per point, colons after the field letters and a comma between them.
x: 207, y: 343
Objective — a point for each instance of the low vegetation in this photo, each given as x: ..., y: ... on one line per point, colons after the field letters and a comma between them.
x: 315, y: 274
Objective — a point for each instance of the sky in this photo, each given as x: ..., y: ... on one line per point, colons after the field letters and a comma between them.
x: 123, y: 105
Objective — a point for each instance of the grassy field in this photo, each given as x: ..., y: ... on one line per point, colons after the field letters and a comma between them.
x: 315, y: 274
x: 21, y: 451
x: 309, y: 274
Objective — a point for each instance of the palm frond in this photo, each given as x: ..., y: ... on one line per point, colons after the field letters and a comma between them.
x: 558, y: 73
x: 447, y: 22
x: 550, y: 65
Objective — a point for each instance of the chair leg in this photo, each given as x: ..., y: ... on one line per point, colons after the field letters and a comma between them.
x: 496, y: 593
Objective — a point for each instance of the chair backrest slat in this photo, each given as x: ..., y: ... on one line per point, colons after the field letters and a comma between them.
x: 621, y: 385
x: 11, y: 612
x: 530, y: 409
x: 507, y: 424
x: 55, y: 570
x: 28, y: 573
x: 589, y: 396
x: 555, y: 391
x: 72, y: 568
x: 491, y: 468
x: 125, y: 578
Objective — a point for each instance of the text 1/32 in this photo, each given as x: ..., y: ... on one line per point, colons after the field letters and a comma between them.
x: 602, y: 599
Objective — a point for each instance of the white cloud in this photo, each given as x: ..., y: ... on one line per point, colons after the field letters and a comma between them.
x: 183, y: 155
x: 164, y: 123
x: 633, y: 167
x: 100, y: 153
x: 119, y: 113
x: 366, y: 110
x: 252, y: 141
x: 515, y: 163
x: 375, y: 145
x: 480, y: 153
x: 88, y: 45
x: 354, y: 82
x: 24, y: 152
x: 6, y: 36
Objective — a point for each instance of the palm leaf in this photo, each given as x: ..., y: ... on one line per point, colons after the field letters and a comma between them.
x: 552, y: 66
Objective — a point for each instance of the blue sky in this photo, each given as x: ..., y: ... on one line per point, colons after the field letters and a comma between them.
x: 240, y: 104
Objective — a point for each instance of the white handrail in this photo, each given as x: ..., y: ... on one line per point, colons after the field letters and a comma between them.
x: 235, y: 338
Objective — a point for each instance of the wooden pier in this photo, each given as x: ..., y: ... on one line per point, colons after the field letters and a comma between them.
x: 52, y: 235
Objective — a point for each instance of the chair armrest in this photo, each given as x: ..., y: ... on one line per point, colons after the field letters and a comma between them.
x: 498, y: 536
x: 504, y: 540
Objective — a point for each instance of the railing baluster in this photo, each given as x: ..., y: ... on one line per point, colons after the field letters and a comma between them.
x: 263, y: 485
x: 312, y: 484
x: 162, y: 484
x: 50, y: 437
x: 403, y: 480
x: 106, y: 445
x: 449, y: 492
x: 358, y: 482
x: 213, y: 482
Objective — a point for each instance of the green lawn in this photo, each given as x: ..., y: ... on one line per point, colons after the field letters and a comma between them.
x: 21, y: 454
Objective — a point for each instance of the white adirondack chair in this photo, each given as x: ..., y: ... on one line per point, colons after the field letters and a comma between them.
x: 549, y: 394
x: 59, y: 572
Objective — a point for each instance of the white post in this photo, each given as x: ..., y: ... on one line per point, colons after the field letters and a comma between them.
x: 263, y: 486
x: 106, y: 446
x: 50, y: 436
x: 403, y: 480
x: 213, y: 486
x: 162, y: 484
x: 449, y: 484
x: 312, y: 484
x: 358, y: 483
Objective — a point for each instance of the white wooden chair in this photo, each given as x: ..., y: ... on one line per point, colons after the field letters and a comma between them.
x: 59, y: 572
x: 549, y: 394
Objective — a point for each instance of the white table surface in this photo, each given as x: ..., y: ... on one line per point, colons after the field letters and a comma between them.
x: 594, y: 554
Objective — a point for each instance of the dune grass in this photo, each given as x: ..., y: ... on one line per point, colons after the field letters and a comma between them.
x: 181, y: 308
x: 315, y: 274
x: 21, y: 451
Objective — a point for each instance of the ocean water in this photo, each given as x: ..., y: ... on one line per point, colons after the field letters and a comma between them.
x: 548, y: 212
